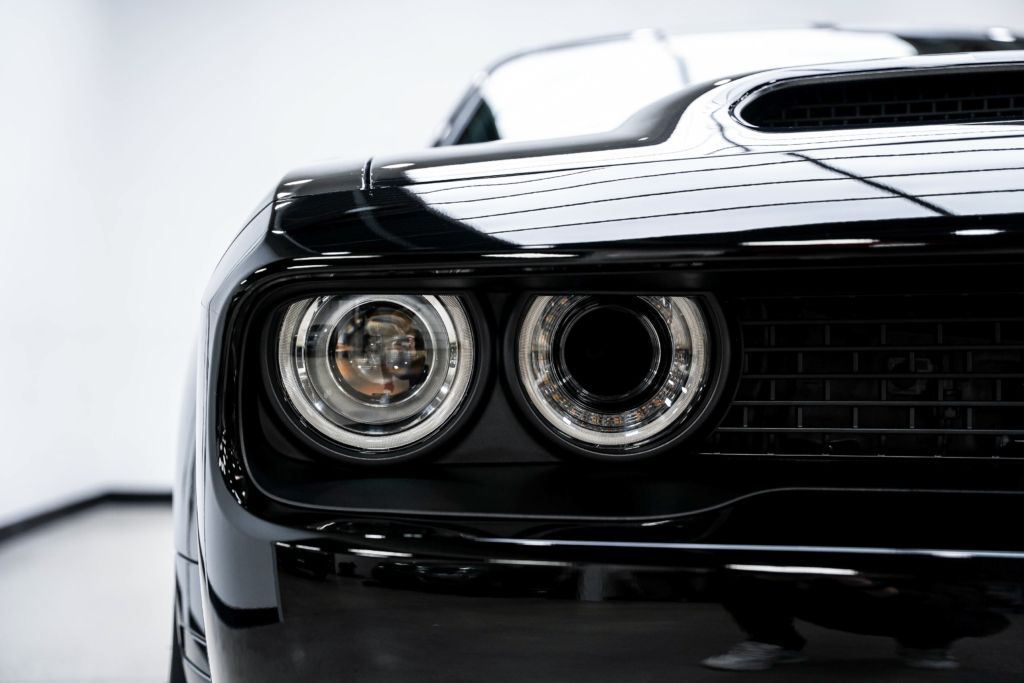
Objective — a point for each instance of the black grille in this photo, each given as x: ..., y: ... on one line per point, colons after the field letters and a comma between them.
x: 982, y: 95
x: 872, y: 375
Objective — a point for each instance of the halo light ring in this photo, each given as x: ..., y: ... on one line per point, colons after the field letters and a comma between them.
x: 373, y: 441
x: 687, y: 321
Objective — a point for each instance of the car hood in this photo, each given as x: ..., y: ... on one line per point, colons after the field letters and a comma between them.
x: 684, y: 171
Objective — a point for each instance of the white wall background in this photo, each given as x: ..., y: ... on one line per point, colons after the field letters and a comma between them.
x: 135, y: 137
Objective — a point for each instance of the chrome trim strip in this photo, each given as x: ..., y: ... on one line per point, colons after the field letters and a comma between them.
x: 852, y: 550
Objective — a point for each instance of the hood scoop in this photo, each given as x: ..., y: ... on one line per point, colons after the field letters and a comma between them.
x: 887, y: 99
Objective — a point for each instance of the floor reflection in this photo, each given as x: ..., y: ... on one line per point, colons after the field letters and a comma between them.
x: 924, y: 618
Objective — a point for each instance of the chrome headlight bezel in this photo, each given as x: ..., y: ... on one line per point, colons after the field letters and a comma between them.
x: 676, y: 424
x: 459, y: 388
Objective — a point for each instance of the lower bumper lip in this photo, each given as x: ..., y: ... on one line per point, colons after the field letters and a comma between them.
x: 552, y: 610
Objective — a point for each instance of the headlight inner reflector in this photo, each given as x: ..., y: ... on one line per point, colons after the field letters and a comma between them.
x: 613, y: 372
x: 376, y: 372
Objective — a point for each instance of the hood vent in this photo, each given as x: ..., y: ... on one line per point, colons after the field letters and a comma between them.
x: 964, y: 96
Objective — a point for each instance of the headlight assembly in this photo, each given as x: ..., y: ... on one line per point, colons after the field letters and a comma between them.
x: 613, y: 375
x: 376, y: 373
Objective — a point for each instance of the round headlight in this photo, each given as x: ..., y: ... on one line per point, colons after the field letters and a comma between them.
x: 377, y: 372
x: 615, y: 373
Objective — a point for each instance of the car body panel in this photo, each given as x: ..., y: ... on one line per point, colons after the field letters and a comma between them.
x: 292, y: 590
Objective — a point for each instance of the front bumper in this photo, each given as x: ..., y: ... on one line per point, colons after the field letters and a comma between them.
x: 400, y: 598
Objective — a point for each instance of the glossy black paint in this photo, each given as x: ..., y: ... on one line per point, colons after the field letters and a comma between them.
x: 542, y: 568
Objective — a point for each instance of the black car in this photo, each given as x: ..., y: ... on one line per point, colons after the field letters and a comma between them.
x: 693, y: 341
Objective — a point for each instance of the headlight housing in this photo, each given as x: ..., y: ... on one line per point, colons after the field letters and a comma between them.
x: 376, y: 373
x: 615, y: 376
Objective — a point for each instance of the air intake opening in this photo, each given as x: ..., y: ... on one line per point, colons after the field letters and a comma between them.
x: 969, y: 95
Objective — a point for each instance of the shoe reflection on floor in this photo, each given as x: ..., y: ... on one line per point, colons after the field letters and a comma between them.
x: 924, y: 618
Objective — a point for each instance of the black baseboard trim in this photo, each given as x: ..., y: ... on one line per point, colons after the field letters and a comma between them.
x: 22, y: 526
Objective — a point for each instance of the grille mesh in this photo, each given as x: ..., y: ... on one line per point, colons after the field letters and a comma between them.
x: 879, y: 375
x: 886, y: 101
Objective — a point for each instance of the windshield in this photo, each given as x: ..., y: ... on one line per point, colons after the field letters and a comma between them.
x: 595, y: 86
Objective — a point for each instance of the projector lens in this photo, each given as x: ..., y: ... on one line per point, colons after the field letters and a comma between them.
x: 376, y: 373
